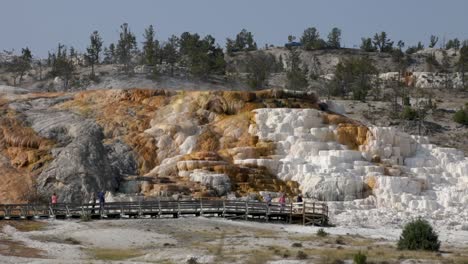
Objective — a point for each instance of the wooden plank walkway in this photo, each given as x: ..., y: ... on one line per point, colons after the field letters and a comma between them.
x: 294, y: 213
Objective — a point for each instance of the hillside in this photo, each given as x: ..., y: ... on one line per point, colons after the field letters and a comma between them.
x: 162, y: 143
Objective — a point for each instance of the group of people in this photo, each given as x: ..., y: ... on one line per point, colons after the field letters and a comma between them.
x: 100, y: 197
x: 281, y: 200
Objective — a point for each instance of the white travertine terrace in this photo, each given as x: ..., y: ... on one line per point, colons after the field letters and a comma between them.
x: 392, y: 177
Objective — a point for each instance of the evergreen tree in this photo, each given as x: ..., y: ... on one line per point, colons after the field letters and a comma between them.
x: 413, y: 49
x: 453, y: 44
x: 334, y: 38
x: 126, y: 47
x: 382, y: 43
x: 20, y: 64
x: 259, y: 66
x: 433, y: 41
x: 296, y: 75
x: 171, y: 53
x: 244, y: 42
x: 311, y: 39
x: 291, y: 38
x: 150, y: 46
x: 353, y: 75
x: 366, y: 45
x: 462, y: 63
x: 93, y: 50
x: 109, y: 54
x: 230, y: 46
x: 418, y: 235
x: 201, y: 56
x: 62, y: 65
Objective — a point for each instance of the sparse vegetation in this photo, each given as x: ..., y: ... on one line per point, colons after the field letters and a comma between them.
x: 419, y: 235
x: 296, y: 244
x: 461, y: 116
x: 109, y: 254
x: 192, y: 260
x: 360, y: 258
x: 322, y: 233
x: 301, y: 255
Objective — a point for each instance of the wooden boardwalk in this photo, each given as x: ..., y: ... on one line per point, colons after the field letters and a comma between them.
x: 294, y: 213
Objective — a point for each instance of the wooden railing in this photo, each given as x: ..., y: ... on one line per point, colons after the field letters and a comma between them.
x: 224, y: 208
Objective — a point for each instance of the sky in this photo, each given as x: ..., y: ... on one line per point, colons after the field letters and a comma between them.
x: 42, y: 24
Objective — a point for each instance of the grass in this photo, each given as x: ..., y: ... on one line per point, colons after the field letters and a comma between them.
x: 25, y: 226
x: 18, y: 249
x: 56, y: 239
x: 114, y: 254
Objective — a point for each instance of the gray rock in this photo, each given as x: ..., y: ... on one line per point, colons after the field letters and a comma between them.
x: 82, y: 163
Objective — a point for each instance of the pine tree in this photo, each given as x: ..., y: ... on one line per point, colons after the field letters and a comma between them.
x: 311, y: 39
x: 366, y: 45
x: 433, y: 41
x: 20, y: 64
x: 296, y: 76
x: 334, y: 38
x: 171, y: 52
x: 462, y: 63
x: 126, y: 47
x: 149, y: 46
x: 93, y: 50
x: 109, y: 54
x: 382, y: 43
x: 62, y: 65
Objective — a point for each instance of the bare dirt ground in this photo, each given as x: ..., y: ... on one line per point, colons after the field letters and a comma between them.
x: 207, y: 240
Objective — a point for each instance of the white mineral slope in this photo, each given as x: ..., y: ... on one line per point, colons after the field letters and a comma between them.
x: 412, y: 178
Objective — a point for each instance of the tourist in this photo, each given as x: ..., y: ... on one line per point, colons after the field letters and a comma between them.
x: 268, y: 199
x: 102, y: 200
x: 299, y: 198
x: 54, y: 199
x: 282, y: 201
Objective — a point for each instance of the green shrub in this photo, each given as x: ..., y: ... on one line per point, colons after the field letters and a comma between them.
x: 322, y: 233
x: 419, y: 235
x: 461, y: 117
x: 85, y: 217
x: 359, y: 258
x: 406, y: 101
x: 296, y: 244
x: 192, y: 260
x: 301, y: 255
x: 409, y: 113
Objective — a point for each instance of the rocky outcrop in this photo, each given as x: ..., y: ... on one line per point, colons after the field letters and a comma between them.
x: 82, y: 164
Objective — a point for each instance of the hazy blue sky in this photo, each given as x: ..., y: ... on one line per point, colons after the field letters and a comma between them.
x: 41, y: 24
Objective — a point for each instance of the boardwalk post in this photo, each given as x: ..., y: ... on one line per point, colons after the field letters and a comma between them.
x: 178, y: 209
x: 290, y: 213
x: 224, y: 208
x: 159, y: 207
x: 68, y: 211
x: 201, y: 207
x: 304, y: 213
x: 246, y: 210
x: 139, y: 208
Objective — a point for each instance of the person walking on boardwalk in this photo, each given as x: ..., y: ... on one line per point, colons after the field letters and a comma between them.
x: 54, y: 199
x: 268, y: 199
x: 299, y: 198
x: 102, y: 201
x: 282, y: 201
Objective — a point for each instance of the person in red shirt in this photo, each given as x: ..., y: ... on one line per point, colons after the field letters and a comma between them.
x: 54, y: 199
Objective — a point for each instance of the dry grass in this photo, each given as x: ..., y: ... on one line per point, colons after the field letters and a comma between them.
x: 113, y: 254
x: 18, y: 249
x: 24, y: 226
